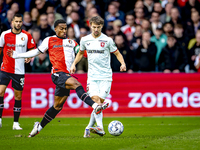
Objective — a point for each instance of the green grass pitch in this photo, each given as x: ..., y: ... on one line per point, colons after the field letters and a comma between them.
x: 152, y: 133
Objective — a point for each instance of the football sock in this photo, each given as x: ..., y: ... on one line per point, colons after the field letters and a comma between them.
x: 92, y: 120
x: 99, y: 119
x: 1, y: 106
x: 48, y: 116
x: 17, y: 110
x: 84, y: 96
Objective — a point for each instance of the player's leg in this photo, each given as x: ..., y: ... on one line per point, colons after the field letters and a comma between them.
x: 49, y: 115
x: 17, y: 109
x: 4, y: 81
x: 18, y: 85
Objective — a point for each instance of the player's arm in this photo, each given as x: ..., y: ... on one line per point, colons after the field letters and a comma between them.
x: 0, y: 50
x: 121, y: 60
x: 77, y: 59
x: 28, y: 54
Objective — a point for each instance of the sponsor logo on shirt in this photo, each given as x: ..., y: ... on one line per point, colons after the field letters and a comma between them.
x: 57, y: 46
x: 15, y: 45
x: 96, y: 51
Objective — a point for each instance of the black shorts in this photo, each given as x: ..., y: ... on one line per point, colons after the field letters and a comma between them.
x: 59, y: 79
x: 17, y: 80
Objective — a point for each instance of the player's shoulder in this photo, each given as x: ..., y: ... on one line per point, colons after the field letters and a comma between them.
x: 87, y: 37
x: 6, y: 32
x: 105, y: 37
x: 26, y: 32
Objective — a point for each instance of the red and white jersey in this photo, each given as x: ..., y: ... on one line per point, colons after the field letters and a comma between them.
x: 18, y: 42
x: 127, y: 29
x: 61, y: 52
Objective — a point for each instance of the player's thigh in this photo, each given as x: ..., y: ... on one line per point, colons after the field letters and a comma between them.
x: 59, y: 102
x: 105, y: 88
x: 92, y: 88
x: 4, y: 81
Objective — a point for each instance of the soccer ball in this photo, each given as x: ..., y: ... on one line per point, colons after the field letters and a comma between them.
x: 115, y: 128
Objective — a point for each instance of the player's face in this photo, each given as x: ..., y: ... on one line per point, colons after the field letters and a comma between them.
x: 17, y: 23
x: 61, y: 30
x: 96, y: 29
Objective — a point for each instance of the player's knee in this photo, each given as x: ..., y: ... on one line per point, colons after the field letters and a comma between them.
x: 77, y: 84
x: 58, y: 107
x: 18, y: 97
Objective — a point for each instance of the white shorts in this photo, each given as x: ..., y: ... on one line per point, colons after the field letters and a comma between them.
x: 99, y: 88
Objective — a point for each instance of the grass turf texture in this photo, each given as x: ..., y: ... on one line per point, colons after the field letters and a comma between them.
x: 156, y: 133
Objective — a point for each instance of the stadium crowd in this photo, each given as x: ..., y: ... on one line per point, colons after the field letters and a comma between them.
x: 152, y: 35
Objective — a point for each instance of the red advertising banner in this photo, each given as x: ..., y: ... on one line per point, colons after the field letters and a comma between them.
x: 138, y: 94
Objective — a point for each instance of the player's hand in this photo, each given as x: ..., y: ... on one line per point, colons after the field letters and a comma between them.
x: 27, y: 60
x: 10, y: 53
x: 123, y: 67
x: 72, y: 69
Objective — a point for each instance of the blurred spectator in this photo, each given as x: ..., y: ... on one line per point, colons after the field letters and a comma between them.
x: 41, y: 63
x: 158, y: 8
x: 175, y: 16
x: 181, y: 38
x: 71, y: 34
x: 36, y: 36
x: 87, y: 4
x: 137, y: 38
x: 146, y: 26
x: 194, y: 52
x: 78, y: 9
x: 117, y: 24
x: 124, y: 50
x: 109, y: 32
x: 139, y: 4
x: 27, y: 22
x: 166, y: 17
x: 197, y: 63
x: 76, y: 23
x: 82, y: 66
x: 186, y: 10
x: 155, y: 21
x: 51, y: 9
x: 193, y: 26
x: 173, y: 58
x: 113, y: 13
x: 89, y: 13
x: 168, y: 28
x: 35, y: 16
x: 61, y: 8
x: 146, y: 54
x: 3, y: 27
x: 160, y: 39
x: 3, y: 9
x: 7, y: 21
x: 41, y: 5
x: 51, y: 19
x: 68, y: 12
x: 149, y: 4
x: 15, y: 8
x: 139, y: 16
x: 44, y: 28
x: 129, y: 28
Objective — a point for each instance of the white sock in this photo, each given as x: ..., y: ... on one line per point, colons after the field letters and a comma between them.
x: 0, y: 120
x: 92, y: 120
x: 40, y: 128
x: 99, y: 119
x: 15, y: 123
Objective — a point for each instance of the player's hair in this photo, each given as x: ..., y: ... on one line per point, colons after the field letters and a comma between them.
x: 58, y: 22
x: 97, y: 20
x: 16, y: 15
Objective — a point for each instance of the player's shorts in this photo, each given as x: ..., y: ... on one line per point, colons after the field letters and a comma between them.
x: 100, y: 88
x: 59, y: 79
x: 17, y: 80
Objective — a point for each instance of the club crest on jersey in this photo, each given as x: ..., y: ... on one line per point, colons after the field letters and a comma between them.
x: 22, y: 38
x: 70, y: 41
x: 102, y: 44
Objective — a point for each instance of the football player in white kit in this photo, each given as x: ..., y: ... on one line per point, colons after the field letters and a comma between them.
x: 98, y: 47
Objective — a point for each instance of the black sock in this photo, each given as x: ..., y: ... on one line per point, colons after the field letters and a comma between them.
x: 17, y: 110
x: 1, y: 106
x: 48, y: 116
x: 84, y: 96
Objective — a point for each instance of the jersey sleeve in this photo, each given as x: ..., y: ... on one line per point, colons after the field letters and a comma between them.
x: 44, y: 45
x: 31, y: 43
x: 2, y: 41
x: 82, y: 44
x: 112, y: 46
x: 76, y: 47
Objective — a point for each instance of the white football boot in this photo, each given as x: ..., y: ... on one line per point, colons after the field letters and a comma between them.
x: 98, y: 109
x: 105, y: 105
x: 0, y: 123
x: 86, y: 133
x: 35, y: 130
x: 16, y: 126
